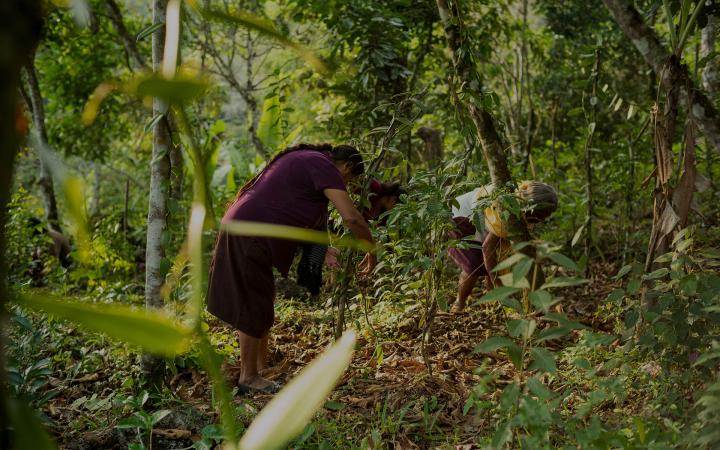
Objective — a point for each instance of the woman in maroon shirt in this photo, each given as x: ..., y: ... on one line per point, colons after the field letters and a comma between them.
x: 293, y: 189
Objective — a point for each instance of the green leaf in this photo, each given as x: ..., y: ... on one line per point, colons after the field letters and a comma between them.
x: 153, y: 331
x: 541, y: 300
x: 543, y: 360
x: 29, y: 433
x: 512, y: 303
x: 151, y: 124
x: 538, y: 388
x: 260, y: 229
x: 521, y: 269
x: 180, y: 89
x: 564, y: 261
x: 564, y: 282
x: 291, y: 409
x: 516, y: 355
x: 269, y: 128
x: 521, y: 327
x: 616, y: 295
x: 582, y: 363
x: 502, y: 436
x: 492, y: 344
x: 633, y: 286
x: 577, y: 236
x: 510, y: 261
x: 498, y: 293
x: 333, y: 405
x: 656, y: 274
x: 157, y: 416
x: 624, y: 270
x: 509, y: 281
x: 552, y: 333
x: 147, y: 31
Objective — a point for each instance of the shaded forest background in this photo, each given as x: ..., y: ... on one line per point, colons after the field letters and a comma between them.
x: 128, y: 163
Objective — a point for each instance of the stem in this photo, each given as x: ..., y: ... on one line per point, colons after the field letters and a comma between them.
x: 670, y: 23
x: 686, y: 31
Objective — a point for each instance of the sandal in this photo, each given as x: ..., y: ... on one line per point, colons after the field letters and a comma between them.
x: 271, y: 388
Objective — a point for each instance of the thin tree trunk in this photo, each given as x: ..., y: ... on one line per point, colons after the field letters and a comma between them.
x: 485, y: 125
x: 158, y: 195
x: 20, y: 28
x: 116, y: 17
x: 553, y: 142
x: 252, y: 103
x: 97, y: 183
x: 710, y: 79
x: 126, y: 204
x: 655, y: 54
x: 664, y: 137
x: 177, y: 171
x: 464, y: 67
x: 45, y: 180
x: 588, y: 166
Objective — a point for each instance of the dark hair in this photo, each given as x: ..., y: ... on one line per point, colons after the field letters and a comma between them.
x: 344, y: 153
x: 391, y: 190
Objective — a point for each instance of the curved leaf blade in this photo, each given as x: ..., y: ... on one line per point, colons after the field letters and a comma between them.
x: 287, y: 414
x: 152, y: 331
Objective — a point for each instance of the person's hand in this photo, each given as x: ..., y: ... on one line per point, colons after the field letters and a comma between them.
x: 367, y: 265
x: 331, y: 258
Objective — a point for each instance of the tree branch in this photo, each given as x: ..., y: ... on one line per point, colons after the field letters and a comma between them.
x: 656, y: 55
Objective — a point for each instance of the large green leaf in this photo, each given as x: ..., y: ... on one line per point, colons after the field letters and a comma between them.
x: 498, y: 293
x: 180, y: 89
x: 153, y: 331
x: 564, y: 282
x: 542, y: 300
x: 564, y: 261
x: 509, y: 262
x: 260, y: 229
x: 269, y: 128
x: 28, y: 432
x: 492, y: 344
x: 72, y: 191
x: 543, y: 360
x: 287, y: 414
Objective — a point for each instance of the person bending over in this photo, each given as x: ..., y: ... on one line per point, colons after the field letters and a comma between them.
x: 488, y: 238
x: 293, y: 189
x: 383, y: 197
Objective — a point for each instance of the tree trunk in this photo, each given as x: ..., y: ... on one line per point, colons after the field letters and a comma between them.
x: 20, y: 28
x: 649, y: 46
x: 664, y: 137
x: 588, y: 166
x: 45, y: 180
x: 466, y: 72
x: 710, y: 80
x: 158, y: 195
x: 252, y: 103
x: 487, y: 134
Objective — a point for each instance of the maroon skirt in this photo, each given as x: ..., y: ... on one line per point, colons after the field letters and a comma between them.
x: 469, y: 260
x: 241, y: 286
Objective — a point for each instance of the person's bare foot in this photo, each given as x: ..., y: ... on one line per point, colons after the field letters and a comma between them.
x: 458, y: 308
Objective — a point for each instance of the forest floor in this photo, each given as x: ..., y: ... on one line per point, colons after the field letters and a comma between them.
x: 387, y: 394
